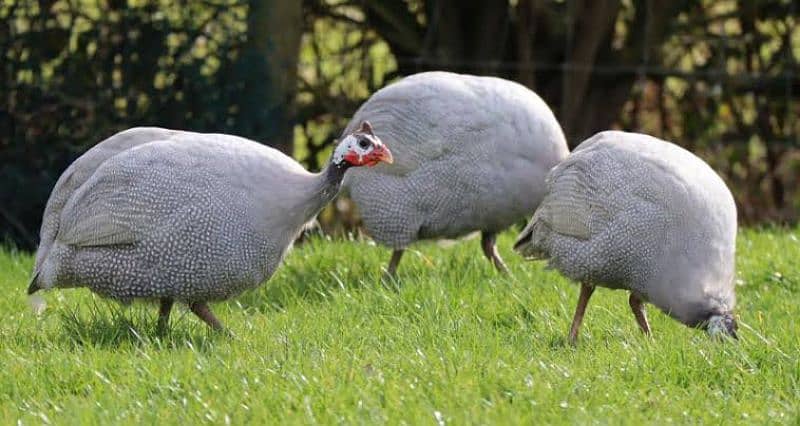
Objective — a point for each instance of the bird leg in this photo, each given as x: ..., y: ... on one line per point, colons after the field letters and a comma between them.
x: 202, y: 310
x: 395, y: 260
x: 489, y: 246
x: 163, y: 313
x: 583, y: 300
x: 637, y: 306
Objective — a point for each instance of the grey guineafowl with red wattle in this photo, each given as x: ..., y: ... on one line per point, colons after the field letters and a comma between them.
x: 179, y: 216
x: 629, y: 211
x: 471, y: 154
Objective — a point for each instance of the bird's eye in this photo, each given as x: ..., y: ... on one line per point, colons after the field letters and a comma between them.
x: 363, y: 144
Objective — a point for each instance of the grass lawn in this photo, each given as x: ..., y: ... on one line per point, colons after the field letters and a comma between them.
x: 325, y: 342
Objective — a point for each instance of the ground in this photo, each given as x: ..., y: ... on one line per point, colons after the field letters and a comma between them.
x: 325, y: 342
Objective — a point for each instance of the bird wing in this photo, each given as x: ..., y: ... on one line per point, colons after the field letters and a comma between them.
x: 99, y: 230
x: 101, y: 212
x: 567, y: 209
x: 80, y: 171
x: 117, y: 205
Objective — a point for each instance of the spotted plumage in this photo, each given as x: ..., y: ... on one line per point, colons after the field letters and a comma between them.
x: 471, y: 154
x: 180, y: 216
x: 629, y: 211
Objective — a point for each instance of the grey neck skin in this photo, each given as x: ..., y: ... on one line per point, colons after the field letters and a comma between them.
x: 326, y: 187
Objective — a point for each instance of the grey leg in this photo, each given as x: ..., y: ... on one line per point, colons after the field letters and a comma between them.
x: 395, y: 260
x: 637, y: 306
x: 202, y: 310
x: 163, y: 313
x: 488, y: 243
x: 583, y: 300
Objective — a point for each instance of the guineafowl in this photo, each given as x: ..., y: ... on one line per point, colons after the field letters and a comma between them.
x: 171, y: 216
x: 629, y: 211
x: 471, y: 154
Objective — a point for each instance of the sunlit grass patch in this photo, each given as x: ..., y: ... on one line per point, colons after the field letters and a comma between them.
x: 327, y: 340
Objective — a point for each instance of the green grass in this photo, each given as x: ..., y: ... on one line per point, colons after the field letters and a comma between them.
x: 325, y: 342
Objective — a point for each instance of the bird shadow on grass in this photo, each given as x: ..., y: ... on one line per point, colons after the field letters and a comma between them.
x: 311, y: 278
x: 295, y: 282
x: 114, y: 326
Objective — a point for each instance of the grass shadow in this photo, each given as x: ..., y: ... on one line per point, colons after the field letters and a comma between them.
x: 311, y: 274
x: 112, y: 326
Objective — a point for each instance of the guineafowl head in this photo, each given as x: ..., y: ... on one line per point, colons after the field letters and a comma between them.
x: 722, y: 325
x: 361, y: 148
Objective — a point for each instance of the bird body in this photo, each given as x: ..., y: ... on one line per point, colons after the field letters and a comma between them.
x: 471, y: 153
x: 181, y: 216
x: 80, y: 171
x: 629, y: 211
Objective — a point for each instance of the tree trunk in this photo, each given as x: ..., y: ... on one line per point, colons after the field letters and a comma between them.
x: 460, y: 35
x: 267, y: 72
x: 525, y: 42
x: 591, y: 29
x: 593, y: 101
x: 466, y: 35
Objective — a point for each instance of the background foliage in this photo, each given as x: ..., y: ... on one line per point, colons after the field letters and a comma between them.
x: 720, y: 77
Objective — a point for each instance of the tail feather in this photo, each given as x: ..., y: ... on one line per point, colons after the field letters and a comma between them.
x: 529, y: 241
x: 33, y: 286
x: 523, y: 239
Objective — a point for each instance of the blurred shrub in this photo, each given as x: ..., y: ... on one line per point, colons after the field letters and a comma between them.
x: 73, y: 73
x: 719, y: 77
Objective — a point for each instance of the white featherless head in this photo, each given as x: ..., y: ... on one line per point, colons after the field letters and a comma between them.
x: 343, y: 148
x: 361, y: 148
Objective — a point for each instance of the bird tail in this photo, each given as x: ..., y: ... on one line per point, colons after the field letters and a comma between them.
x: 33, y: 286
x: 529, y: 241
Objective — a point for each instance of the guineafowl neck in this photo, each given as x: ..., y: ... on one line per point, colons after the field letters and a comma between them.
x: 326, y: 186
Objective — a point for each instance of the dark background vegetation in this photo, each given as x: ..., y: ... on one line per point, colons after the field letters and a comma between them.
x: 720, y: 77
